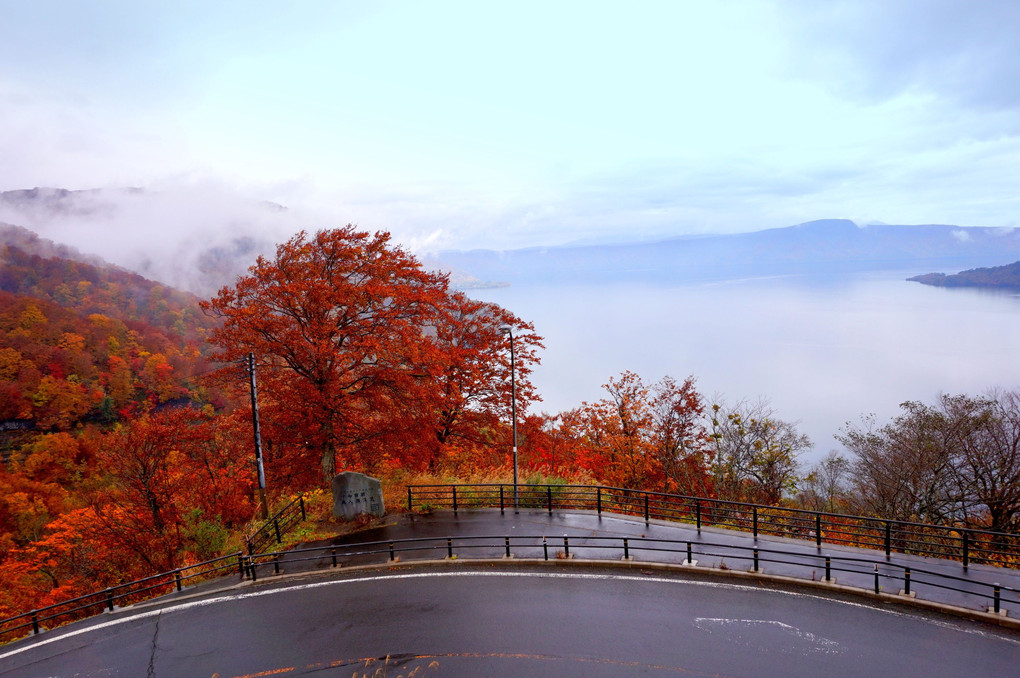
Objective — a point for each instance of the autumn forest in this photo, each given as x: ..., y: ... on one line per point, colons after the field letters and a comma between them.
x: 126, y: 434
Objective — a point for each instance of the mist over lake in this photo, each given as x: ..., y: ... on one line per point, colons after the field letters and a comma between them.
x: 824, y: 350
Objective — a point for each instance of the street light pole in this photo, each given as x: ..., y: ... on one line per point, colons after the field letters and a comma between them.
x: 258, y: 437
x: 513, y: 410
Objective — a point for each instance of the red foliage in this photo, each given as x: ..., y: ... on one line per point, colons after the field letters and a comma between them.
x: 364, y: 358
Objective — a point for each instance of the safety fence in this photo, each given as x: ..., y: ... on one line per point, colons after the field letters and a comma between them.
x: 967, y: 545
x: 864, y: 574
x: 270, y: 532
x: 119, y: 595
x: 277, y: 525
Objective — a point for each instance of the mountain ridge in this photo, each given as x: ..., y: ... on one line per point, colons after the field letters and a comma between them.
x: 827, y: 245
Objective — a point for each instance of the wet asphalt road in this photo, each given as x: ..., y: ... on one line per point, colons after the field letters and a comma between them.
x: 507, y: 621
x: 527, y: 619
x: 588, y: 535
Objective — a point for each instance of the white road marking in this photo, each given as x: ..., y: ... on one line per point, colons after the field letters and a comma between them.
x: 734, y: 627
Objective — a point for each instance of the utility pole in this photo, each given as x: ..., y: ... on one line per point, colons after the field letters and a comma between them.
x: 258, y: 437
x: 513, y: 411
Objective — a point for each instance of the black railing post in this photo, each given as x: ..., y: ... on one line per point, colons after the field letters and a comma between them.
x: 828, y: 569
x: 626, y: 549
x: 454, y: 499
x: 754, y: 524
x: 566, y: 546
x: 276, y: 563
x: 646, y: 508
x: 997, y: 603
x: 598, y: 500
x: 109, y: 599
x: 35, y: 622
x: 877, y: 587
x: 697, y: 512
x: 906, y: 581
x: 756, y: 560
x: 252, y: 567
x: 240, y: 563
x: 548, y: 498
x: 449, y: 547
x: 690, y: 554
x: 507, y: 542
x: 392, y: 554
x: 409, y: 500
x: 276, y: 526
x: 545, y: 548
x: 966, y: 549
x: 177, y: 579
x: 818, y: 530
x: 888, y: 539
x: 332, y: 555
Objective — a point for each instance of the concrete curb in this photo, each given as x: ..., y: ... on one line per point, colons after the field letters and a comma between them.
x: 822, y: 587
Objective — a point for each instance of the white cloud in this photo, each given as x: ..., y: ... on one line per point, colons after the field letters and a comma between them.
x: 462, y: 124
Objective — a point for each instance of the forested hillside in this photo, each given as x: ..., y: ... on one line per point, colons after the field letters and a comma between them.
x: 102, y: 418
x: 124, y: 450
x: 1007, y: 276
x: 127, y: 443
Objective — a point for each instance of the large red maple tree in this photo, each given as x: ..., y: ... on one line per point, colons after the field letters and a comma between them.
x: 359, y: 349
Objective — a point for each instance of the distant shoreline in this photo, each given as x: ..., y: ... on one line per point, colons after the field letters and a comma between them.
x: 1004, y: 277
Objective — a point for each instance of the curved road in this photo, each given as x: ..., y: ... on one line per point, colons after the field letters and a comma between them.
x: 512, y: 621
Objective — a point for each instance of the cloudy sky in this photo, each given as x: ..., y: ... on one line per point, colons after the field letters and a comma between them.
x: 467, y: 124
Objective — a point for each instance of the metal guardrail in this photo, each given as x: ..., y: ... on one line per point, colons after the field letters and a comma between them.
x: 883, y: 577
x: 964, y: 544
x: 127, y: 593
x: 967, y: 545
x: 158, y: 584
x: 886, y: 577
x: 276, y: 526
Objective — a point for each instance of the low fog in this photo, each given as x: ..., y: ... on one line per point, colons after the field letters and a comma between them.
x: 197, y: 238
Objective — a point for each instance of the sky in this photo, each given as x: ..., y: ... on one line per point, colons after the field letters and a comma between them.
x: 457, y: 125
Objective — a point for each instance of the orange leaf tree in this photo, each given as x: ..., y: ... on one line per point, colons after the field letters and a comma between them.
x: 644, y: 436
x: 359, y: 348
x: 470, y: 394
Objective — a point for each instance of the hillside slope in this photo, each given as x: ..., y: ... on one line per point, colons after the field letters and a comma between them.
x: 1007, y: 276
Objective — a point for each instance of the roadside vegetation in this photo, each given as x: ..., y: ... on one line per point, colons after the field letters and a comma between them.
x: 126, y: 423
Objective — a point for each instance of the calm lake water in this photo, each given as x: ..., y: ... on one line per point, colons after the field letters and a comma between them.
x: 823, y: 351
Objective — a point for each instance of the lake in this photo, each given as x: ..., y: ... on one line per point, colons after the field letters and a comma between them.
x: 823, y: 350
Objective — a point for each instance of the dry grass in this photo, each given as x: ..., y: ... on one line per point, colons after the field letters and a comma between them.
x: 321, y: 525
x: 383, y: 670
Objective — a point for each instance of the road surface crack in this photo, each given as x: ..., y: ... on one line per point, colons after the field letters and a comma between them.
x: 155, y: 646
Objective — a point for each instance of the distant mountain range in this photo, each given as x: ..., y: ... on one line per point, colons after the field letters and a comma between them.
x: 819, y: 247
x: 199, y: 242
x: 1007, y: 276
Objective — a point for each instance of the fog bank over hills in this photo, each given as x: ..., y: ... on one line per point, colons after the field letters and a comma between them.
x: 196, y: 239
x: 202, y: 238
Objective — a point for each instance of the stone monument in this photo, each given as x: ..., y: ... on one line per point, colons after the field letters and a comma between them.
x: 355, y: 494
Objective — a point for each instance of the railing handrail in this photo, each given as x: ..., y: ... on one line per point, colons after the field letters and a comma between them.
x: 730, y: 502
x: 273, y: 522
x: 987, y: 591
x: 110, y: 594
x: 964, y: 544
